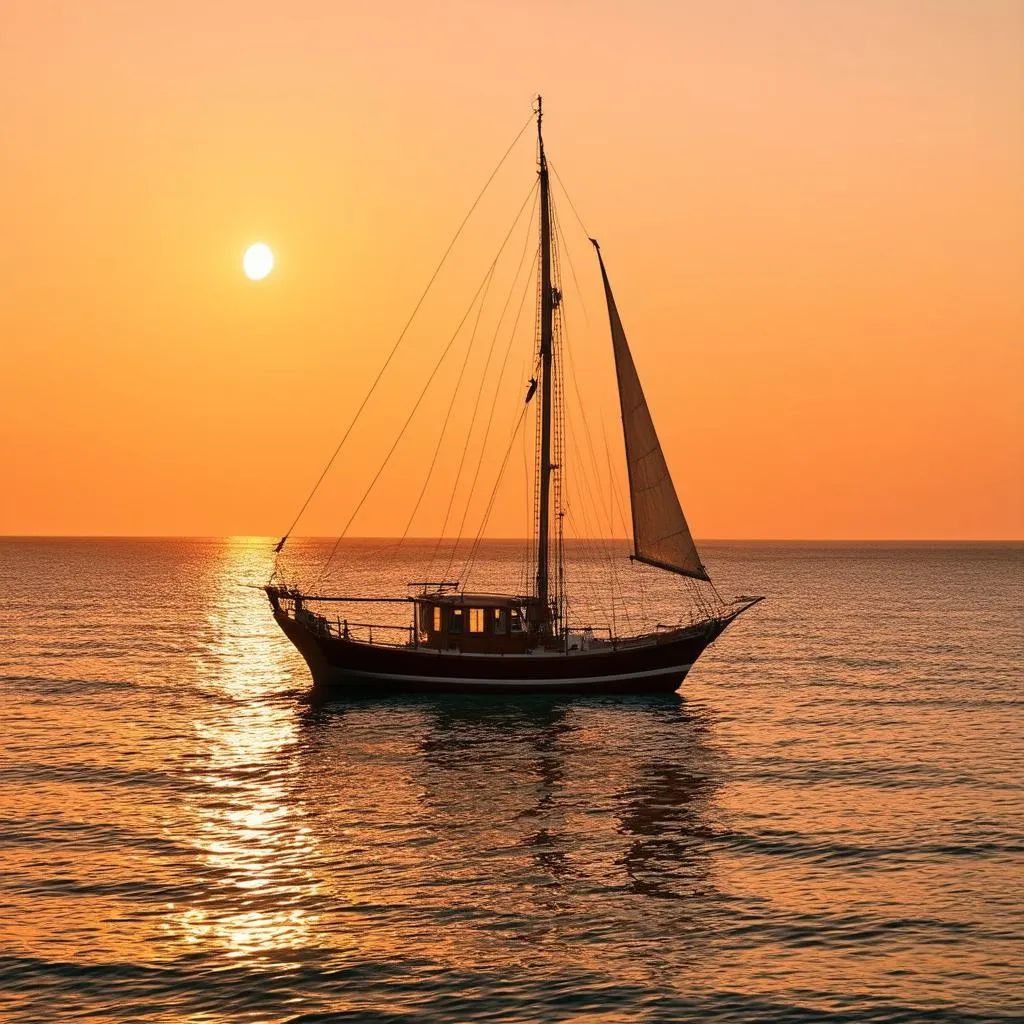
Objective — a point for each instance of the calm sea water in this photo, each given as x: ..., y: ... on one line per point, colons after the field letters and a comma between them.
x: 826, y: 825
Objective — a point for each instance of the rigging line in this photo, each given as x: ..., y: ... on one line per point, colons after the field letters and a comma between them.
x: 572, y: 267
x: 493, y: 406
x: 529, y: 506
x: 559, y: 327
x: 458, y: 385
x: 487, y: 430
x: 642, y: 578
x: 571, y: 367
x: 591, y: 601
x: 426, y: 386
x: 588, y: 561
x: 401, y: 336
x: 565, y: 191
x: 602, y: 548
x: 519, y: 420
x: 613, y: 502
x: 476, y: 404
x: 524, y: 554
x: 697, y: 596
x: 497, y: 483
x: 583, y: 564
x: 490, y: 420
x: 714, y: 590
x: 593, y: 543
x: 471, y: 556
x: 447, y: 417
x: 598, y: 551
x: 627, y: 531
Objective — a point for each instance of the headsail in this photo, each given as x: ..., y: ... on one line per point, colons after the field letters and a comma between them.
x: 660, y: 534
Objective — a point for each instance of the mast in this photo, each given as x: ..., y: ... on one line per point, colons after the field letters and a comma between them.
x: 546, y: 331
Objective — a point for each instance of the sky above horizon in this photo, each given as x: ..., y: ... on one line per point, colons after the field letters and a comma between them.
x: 812, y: 215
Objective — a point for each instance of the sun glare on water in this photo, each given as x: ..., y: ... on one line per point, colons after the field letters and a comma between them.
x: 258, y: 261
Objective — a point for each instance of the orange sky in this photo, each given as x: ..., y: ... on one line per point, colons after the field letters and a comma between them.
x: 813, y: 217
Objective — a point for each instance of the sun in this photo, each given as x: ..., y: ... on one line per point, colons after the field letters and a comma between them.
x: 258, y: 261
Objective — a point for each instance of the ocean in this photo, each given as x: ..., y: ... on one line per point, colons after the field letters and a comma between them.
x: 825, y: 824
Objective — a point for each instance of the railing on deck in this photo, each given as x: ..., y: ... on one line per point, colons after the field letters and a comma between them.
x: 372, y: 632
x: 379, y: 633
x: 389, y: 634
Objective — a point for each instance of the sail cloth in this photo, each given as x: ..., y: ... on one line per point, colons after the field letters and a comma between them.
x: 660, y: 534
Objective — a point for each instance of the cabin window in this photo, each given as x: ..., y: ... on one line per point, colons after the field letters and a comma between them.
x: 437, y: 619
x: 517, y: 620
x: 456, y: 624
x: 501, y: 620
x: 476, y: 620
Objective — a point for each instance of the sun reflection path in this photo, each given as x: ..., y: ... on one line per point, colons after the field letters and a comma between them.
x: 256, y: 887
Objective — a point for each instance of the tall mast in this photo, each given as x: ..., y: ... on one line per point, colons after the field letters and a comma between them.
x: 546, y: 330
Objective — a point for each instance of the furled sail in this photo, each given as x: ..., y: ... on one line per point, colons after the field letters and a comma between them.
x: 660, y: 534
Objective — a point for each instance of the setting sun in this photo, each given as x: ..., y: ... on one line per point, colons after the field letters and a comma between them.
x: 258, y: 261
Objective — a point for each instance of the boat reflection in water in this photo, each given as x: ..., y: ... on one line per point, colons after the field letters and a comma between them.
x: 534, y: 818
x: 667, y: 815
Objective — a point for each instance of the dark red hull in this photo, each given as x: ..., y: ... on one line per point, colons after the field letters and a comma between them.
x: 656, y: 665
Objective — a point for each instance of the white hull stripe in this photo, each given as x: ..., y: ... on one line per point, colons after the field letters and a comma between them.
x: 393, y: 677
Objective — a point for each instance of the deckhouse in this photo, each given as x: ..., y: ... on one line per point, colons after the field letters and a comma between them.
x: 477, y: 623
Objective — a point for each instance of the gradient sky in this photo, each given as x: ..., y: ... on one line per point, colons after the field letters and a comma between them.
x: 813, y: 216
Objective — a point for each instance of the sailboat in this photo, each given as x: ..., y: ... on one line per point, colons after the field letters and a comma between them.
x: 483, y: 642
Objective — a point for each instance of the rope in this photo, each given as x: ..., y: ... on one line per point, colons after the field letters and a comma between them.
x: 525, y: 552
x: 572, y: 205
x: 426, y: 387
x: 568, y: 255
x: 458, y: 385
x: 447, y: 418
x: 487, y: 428
x: 494, y: 492
x: 387, y: 362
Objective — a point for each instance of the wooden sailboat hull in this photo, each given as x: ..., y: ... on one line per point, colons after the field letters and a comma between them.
x: 659, y: 665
